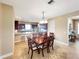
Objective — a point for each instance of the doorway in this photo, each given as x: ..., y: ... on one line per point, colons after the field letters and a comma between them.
x: 76, y: 27
x: 73, y: 26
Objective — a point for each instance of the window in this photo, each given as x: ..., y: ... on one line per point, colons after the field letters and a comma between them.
x: 28, y: 26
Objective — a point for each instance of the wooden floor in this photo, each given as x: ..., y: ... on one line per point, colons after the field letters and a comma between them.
x: 60, y: 52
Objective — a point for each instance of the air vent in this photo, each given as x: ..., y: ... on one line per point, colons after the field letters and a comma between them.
x: 51, y: 1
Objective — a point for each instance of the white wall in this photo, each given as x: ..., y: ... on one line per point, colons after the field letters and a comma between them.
x: 61, y: 29
x: 58, y: 25
x: 0, y: 28
x: 7, y: 29
x: 51, y: 25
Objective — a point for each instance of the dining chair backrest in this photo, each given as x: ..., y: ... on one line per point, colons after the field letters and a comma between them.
x: 31, y: 44
x: 45, y: 35
x: 52, y: 36
x: 29, y: 41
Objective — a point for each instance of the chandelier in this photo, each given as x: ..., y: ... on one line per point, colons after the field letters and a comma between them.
x: 43, y: 20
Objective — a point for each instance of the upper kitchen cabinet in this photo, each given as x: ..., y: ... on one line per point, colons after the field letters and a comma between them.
x: 19, y: 26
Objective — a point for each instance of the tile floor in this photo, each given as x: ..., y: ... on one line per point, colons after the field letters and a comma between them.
x: 60, y: 52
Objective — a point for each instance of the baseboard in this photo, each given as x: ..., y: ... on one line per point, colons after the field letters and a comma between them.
x: 60, y: 42
x: 6, y: 55
x: 19, y: 41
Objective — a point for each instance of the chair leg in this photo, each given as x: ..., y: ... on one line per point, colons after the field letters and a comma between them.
x: 38, y: 51
x: 31, y: 54
x: 28, y: 50
x: 48, y: 50
x: 52, y: 47
x: 42, y: 53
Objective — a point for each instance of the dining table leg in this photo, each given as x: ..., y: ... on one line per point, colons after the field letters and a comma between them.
x: 42, y: 53
x: 48, y: 50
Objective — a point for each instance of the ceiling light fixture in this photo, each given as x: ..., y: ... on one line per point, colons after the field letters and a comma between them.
x: 43, y: 20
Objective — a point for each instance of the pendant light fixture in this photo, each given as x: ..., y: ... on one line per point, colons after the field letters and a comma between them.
x: 43, y: 20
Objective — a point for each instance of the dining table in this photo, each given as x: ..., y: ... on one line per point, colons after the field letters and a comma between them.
x: 40, y: 41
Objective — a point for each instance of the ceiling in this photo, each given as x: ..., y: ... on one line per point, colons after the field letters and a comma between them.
x: 32, y: 9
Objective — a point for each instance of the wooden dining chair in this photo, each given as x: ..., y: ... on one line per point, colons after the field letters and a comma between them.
x: 45, y: 45
x: 31, y: 46
x: 51, y: 38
